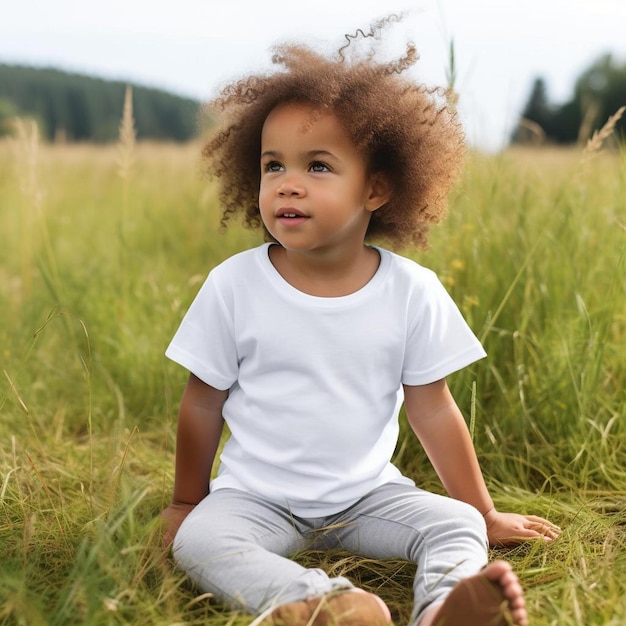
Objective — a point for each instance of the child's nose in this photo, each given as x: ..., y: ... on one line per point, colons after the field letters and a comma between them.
x: 290, y: 187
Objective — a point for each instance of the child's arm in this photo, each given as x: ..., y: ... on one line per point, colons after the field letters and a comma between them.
x: 439, y: 425
x: 200, y: 425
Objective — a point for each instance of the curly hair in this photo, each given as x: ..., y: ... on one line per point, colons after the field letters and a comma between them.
x: 405, y: 131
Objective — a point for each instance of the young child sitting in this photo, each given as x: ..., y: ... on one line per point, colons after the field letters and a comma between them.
x: 307, y: 346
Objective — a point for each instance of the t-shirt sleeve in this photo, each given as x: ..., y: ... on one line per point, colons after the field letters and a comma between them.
x: 204, y: 342
x: 439, y: 340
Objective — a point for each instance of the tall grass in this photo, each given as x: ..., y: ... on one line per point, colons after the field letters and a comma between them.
x: 96, y: 271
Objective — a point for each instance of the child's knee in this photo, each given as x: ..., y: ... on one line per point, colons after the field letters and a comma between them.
x: 190, y: 543
x: 470, y: 520
x: 185, y: 543
x: 459, y: 521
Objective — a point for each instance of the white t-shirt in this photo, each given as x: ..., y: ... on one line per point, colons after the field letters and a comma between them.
x: 315, y: 383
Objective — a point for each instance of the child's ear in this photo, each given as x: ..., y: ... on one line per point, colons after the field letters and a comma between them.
x: 379, y: 191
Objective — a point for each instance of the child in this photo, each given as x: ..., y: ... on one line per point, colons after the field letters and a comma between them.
x: 306, y: 346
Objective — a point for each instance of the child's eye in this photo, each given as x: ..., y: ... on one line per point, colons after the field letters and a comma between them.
x: 318, y: 166
x: 272, y: 166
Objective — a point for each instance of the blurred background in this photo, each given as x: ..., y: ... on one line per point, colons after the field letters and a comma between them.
x: 541, y: 71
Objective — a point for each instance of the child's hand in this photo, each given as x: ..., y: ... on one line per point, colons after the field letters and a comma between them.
x: 510, y: 528
x: 173, y: 516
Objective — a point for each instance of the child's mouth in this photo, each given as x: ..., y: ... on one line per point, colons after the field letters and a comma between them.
x: 292, y: 218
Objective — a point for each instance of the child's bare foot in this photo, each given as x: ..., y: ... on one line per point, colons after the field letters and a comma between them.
x: 492, y: 598
x: 350, y: 608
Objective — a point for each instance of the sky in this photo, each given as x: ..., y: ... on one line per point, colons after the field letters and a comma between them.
x: 192, y: 47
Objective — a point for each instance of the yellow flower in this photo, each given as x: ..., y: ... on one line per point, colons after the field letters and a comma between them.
x: 469, y: 302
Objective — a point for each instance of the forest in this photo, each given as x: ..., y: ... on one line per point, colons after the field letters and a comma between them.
x: 74, y: 107
x: 599, y: 92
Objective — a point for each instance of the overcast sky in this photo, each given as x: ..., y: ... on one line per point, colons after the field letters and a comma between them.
x: 192, y: 46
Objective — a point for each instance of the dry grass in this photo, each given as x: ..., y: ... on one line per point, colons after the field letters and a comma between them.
x: 127, y: 138
x: 596, y: 141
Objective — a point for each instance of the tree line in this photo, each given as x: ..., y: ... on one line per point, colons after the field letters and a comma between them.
x: 82, y: 108
x: 599, y: 92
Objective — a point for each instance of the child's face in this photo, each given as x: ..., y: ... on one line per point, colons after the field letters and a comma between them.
x: 315, y: 192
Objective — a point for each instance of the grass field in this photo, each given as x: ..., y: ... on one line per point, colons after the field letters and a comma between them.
x: 98, y: 262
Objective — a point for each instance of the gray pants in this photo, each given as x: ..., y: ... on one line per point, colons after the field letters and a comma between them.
x: 236, y: 545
